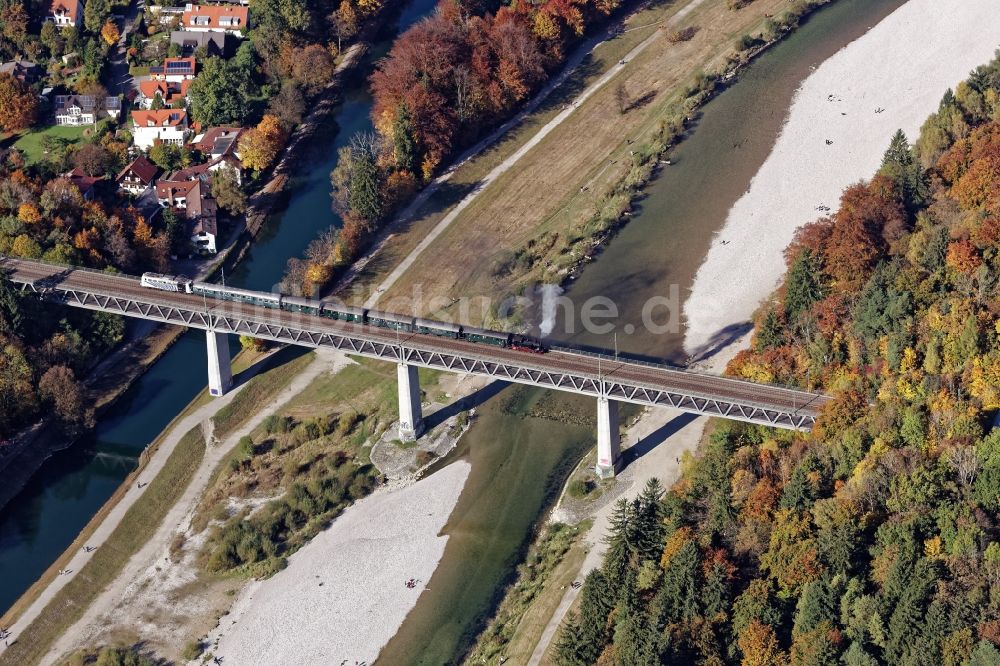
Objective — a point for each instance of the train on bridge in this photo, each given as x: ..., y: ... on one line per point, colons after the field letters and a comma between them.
x: 342, y: 312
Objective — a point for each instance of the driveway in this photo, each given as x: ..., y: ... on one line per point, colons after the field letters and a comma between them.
x: 116, y: 76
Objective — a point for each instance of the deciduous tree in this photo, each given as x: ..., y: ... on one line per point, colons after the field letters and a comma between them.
x: 260, y: 146
x: 18, y: 104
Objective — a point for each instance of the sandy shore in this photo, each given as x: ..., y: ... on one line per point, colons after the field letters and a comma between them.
x: 902, y: 66
x: 149, y: 584
x: 344, y: 595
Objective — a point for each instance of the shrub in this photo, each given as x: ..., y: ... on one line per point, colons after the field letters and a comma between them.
x: 346, y: 423
x: 579, y: 488
x: 682, y: 35
x: 192, y: 650
x: 277, y: 424
x: 247, y: 448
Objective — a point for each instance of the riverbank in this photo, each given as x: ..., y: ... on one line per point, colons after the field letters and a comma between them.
x: 104, y: 385
x: 345, y: 594
x: 655, y: 446
x: 837, y: 130
x: 577, y: 155
x: 69, y: 589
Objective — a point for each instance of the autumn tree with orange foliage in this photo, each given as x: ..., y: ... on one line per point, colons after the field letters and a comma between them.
x: 259, y: 146
x: 109, y: 33
x: 18, y: 104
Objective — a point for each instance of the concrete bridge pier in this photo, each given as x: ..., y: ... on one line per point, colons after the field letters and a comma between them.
x: 411, y: 421
x: 220, y: 370
x: 609, y: 445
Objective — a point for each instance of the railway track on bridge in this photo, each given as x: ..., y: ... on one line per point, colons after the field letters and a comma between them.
x: 606, y: 377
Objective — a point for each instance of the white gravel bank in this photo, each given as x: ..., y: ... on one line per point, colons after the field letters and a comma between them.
x: 344, y: 595
x: 902, y: 66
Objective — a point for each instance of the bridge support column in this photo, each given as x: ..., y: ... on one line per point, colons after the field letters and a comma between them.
x: 609, y: 446
x: 411, y: 421
x: 220, y: 370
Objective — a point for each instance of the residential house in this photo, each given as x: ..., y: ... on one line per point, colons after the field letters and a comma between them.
x: 138, y: 176
x: 161, y: 126
x: 85, y: 109
x: 218, y: 141
x: 171, y: 93
x: 64, y: 12
x: 24, y: 71
x: 216, y: 18
x: 166, y: 15
x: 83, y: 182
x: 174, y: 70
x: 205, y: 171
x: 192, y: 200
x: 213, y: 42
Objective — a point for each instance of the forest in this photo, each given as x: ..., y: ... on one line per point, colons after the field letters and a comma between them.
x: 445, y: 82
x: 875, y: 538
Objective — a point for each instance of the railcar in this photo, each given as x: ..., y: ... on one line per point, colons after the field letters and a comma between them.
x: 303, y: 305
x: 431, y: 327
x: 238, y: 295
x: 166, y: 282
x: 482, y: 335
x: 337, y: 310
x: 390, y: 320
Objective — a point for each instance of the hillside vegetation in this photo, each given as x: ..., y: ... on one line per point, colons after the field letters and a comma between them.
x: 874, y: 539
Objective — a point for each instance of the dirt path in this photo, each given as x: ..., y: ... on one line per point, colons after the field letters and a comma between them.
x: 89, y: 624
x: 511, y: 160
x: 127, y: 584
x: 132, y: 494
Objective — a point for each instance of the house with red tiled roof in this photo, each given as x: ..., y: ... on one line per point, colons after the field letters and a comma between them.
x: 64, y: 12
x: 137, y: 176
x: 83, y: 182
x: 215, y: 18
x: 192, y: 200
x: 161, y: 126
x: 170, y: 93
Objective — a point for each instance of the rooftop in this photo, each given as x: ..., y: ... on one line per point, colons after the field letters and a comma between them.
x: 142, y: 168
x: 159, y: 118
x: 219, y: 17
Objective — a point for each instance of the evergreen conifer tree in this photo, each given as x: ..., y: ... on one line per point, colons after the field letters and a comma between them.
x: 616, y: 559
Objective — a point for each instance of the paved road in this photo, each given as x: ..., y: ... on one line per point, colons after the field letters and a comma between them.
x: 117, y: 79
x: 566, y: 362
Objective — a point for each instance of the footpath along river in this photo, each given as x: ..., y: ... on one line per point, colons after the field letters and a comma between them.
x: 39, y: 523
x: 526, y: 440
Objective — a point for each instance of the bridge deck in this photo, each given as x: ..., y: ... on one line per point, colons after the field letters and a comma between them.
x: 630, y: 381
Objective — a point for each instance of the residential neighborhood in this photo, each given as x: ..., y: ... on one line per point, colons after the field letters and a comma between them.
x: 108, y: 99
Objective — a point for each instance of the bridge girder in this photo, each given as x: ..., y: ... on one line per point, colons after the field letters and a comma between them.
x: 522, y: 372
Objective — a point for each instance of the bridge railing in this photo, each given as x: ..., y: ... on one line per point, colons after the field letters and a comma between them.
x: 302, y: 318
x: 114, y: 272
x: 669, y: 367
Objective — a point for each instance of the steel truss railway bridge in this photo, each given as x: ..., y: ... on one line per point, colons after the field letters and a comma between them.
x: 611, y: 380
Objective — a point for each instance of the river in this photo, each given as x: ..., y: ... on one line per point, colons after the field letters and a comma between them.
x: 39, y: 523
x: 526, y: 440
